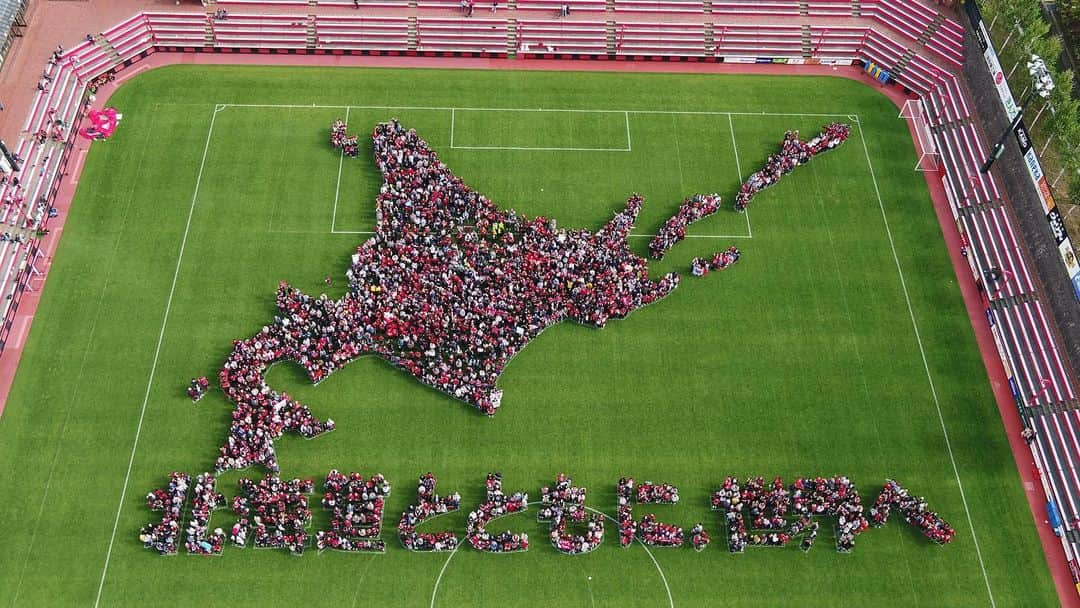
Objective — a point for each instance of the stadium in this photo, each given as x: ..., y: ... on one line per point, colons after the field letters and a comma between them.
x: 657, y: 302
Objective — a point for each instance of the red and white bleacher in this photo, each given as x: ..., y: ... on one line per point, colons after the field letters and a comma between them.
x: 462, y: 35
x: 559, y: 36
x: 836, y: 41
x: 1032, y: 353
x: 769, y: 8
x: 360, y: 5
x: 177, y: 29
x: 261, y: 31
x: 660, y: 39
x: 829, y: 8
x: 660, y: 6
x: 914, y: 20
x: 775, y: 40
x: 130, y: 38
x: 553, y: 6
x: 992, y: 244
x: 946, y: 102
x: 364, y: 33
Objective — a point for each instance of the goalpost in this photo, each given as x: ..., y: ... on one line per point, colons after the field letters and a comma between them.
x: 915, y: 111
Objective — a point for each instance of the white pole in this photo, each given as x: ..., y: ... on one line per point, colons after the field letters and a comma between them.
x: 1006, y: 43
x: 992, y: 22
x: 1041, y: 110
x: 1047, y: 144
x: 1015, y: 65
x: 1053, y: 184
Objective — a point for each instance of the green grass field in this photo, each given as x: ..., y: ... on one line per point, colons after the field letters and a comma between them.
x: 803, y: 359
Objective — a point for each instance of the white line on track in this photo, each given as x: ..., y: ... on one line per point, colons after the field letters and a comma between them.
x: 926, y: 366
x: 157, y: 353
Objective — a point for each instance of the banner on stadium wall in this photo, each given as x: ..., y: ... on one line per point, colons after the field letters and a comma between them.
x: 1067, y: 256
x: 837, y: 61
x: 797, y: 61
x: 1000, y: 83
x: 982, y: 37
x: 1057, y: 226
x: 1023, y: 138
x: 737, y: 59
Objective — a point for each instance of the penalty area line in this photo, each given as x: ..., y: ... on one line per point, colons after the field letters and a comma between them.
x: 659, y: 570
x: 157, y: 354
x: 926, y: 364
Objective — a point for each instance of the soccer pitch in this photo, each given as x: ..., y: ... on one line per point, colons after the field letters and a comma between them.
x: 838, y: 345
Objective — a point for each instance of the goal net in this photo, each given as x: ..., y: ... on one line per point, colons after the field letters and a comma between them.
x: 915, y: 112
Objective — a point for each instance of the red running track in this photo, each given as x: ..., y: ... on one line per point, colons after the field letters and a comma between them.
x: 1055, y: 557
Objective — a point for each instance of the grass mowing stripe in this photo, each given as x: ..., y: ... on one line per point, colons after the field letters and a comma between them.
x: 157, y: 353
x: 82, y: 364
x: 926, y: 365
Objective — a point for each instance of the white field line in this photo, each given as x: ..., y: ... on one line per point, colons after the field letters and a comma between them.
x: 157, y: 353
x: 738, y: 167
x: 633, y: 236
x: 337, y: 188
x: 543, y: 149
x: 926, y: 366
x: 86, y: 352
x: 572, y: 110
x: 453, y: 119
x: 453, y: 146
x: 671, y: 601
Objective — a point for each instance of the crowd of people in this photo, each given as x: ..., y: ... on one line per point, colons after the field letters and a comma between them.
x: 699, y: 538
x: 657, y: 493
x: 262, y: 414
x: 793, y: 153
x: 624, y: 494
x: 562, y: 504
x: 915, y: 511
x: 356, y: 512
x: 769, y: 506
x: 205, y: 500
x: 672, y: 231
x: 700, y: 267
x: 649, y: 531
x: 449, y: 289
x: 497, y: 504
x: 277, y: 509
x: 659, y: 534
x: 164, y: 536
x: 430, y: 505
x: 197, y: 388
x: 340, y: 139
